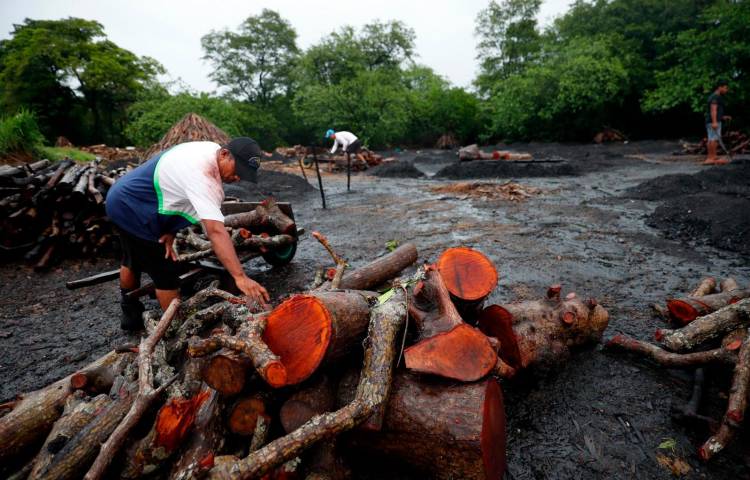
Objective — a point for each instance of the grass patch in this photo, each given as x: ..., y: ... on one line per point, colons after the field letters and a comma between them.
x: 19, y: 135
x: 55, y: 154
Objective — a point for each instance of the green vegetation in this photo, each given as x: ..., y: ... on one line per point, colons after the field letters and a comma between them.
x: 55, y: 154
x: 20, y: 135
x: 642, y: 66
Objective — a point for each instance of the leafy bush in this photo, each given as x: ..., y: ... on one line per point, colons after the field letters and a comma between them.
x: 19, y: 134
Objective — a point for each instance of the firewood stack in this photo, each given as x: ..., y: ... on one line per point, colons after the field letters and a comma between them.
x: 50, y: 211
x: 735, y: 141
x: 711, y: 330
x: 220, y: 390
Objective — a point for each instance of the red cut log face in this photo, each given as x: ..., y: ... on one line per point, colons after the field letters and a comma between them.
x: 467, y: 273
x: 462, y: 353
x: 175, y: 418
x: 299, y: 332
x: 493, y: 432
x: 497, y: 322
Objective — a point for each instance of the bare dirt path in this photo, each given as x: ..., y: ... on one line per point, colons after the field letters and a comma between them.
x: 599, y: 416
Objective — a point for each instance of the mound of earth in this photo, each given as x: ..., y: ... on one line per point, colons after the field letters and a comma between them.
x: 504, y: 169
x: 733, y: 179
x: 714, y: 218
x: 396, y: 169
x: 279, y: 185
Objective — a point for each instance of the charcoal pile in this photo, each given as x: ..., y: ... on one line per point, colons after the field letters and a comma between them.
x: 397, y: 169
x: 710, y: 332
x: 51, y: 211
x: 221, y: 389
x: 735, y: 141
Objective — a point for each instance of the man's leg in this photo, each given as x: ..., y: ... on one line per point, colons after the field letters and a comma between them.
x: 129, y: 280
x: 165, y: 297
x: 711, y: 146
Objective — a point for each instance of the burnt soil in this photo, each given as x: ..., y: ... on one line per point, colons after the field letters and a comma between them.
x: 396, y: 169
x: 600, y: 415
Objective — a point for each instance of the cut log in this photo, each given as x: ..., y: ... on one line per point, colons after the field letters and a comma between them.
x: 668, y: 359
x: 309, y: 329
x: 205, y: 440
x: 380, y: 270
x: 226, y: 371
x: 245, y: 414
x: 736, y: 406
x: 386, y: 321
x: 541, y: 333
x: 685, y: 310
x: 303, y: 405
x: 468, y: 274
x: 35, y: 413
x: 267, y: 216
x: 728, y: 284
x: 446, y: 345
x: 78, y: 413
x: 705, y: 328
x: 449, y: 431
x: 706, y: 287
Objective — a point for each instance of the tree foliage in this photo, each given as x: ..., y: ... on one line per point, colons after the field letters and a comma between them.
x: 78, y: 82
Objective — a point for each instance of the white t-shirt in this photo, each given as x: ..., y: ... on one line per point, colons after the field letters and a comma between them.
x: 188, y: 183
x: 344, y: 139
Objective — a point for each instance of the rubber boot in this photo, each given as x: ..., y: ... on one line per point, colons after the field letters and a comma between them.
x: 132, y: 313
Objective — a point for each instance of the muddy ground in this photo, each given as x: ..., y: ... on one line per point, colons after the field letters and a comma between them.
x: 598, y: 416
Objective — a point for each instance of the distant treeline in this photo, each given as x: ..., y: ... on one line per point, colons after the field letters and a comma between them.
x: 641, y: 66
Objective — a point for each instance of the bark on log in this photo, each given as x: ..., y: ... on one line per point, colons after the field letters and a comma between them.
x: 450, y: 431
x: 668, y: 359
x: 226, y: 371
x: 33, y: 416
x: 303, y: 405
x: 707, y: 327
x: 265, y: 215
x: 736, y: 406
x: 78, y: 413
x: 386, y: 321
x: 380, y: 270
x: 685, y: 310
x: 61, y: 168
x: 317, y: 327
x: 205, y: 440
x: 146, y: 394
x: 446, y: 345
x: 728, y: 284
x: 541, y: 333
x: 706, y: 287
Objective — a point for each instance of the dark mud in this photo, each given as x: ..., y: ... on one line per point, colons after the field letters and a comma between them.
x: 505, y: 169
x: 598, y: 416
x: 711, y: 207
x: 396, y: 169
x: 282, y: 186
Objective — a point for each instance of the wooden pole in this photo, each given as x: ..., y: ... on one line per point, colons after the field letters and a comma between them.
x: 320, y: 180
x: 348, y: 171
x: 302, y: 167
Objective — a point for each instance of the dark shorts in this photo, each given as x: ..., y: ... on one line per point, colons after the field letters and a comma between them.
x: 143, y: 256
x: 354, y: 147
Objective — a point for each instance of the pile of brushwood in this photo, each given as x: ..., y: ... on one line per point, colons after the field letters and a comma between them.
x: 218, y: 389
x: 711, y: 332
x: 50, y: 211
x: 735, y: 141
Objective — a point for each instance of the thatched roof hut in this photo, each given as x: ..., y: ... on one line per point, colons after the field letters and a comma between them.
x: 191, y: 128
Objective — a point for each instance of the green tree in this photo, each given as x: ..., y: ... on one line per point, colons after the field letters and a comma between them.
x: 508, y: 39
x: 70, y: 74
x: 254, y: 63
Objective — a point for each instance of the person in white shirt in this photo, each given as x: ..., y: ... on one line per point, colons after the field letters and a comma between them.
x: 348, y: 141
x: 173, y: 189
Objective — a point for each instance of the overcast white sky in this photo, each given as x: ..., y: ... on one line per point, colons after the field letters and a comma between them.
x: 170, y: 30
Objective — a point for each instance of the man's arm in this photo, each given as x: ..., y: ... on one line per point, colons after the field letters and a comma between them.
x: 714, y: 121
x: 335, y: 146
x: 225, y: 252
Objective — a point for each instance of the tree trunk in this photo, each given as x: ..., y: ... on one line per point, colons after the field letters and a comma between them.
x: 687, y: 309
x: 450, y: 431
x: 541, y: 333
x: 33, y: 416
x: 710, y: 326
x: 380, y: 270
x: 309, y: 329
x: 447, y: 346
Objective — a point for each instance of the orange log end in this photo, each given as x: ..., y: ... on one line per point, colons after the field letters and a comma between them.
x: 245, y: 233
x: 275, y: 374
x: 493, y: 431
x: 244, y: 415
x: 659, y: 335
x: 682, y: 311
x: 554, y: 291
x: 462, y: 353
x: 495, y: 321
x: 569, y: 318
x: 468, y: 274
x: 734, y: 345
x: 226, y: 373
x: 299, y: 331
x: 78, y: 380
x: 175, y: 418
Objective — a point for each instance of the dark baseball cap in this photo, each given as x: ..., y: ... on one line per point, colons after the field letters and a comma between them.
x: 246, y: 153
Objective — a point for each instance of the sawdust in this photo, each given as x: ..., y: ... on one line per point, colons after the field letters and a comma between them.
x: 514, y: 192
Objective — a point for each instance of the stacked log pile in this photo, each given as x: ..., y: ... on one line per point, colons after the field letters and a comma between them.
x: 735, y: 141
x: 49, y: 211
x: 711, y: 330
x: 114, y: 154
x: 335, y: 162
x: 220, y: 390
x: 472, y: 152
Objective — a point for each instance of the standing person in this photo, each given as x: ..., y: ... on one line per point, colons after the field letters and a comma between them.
x: 348, y: 141
x: 714, y: 117
x: 173, y: 189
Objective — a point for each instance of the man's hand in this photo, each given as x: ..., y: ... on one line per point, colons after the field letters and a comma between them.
x: 714, y: 125
x: 253, y: 290
x: 168, y: 240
